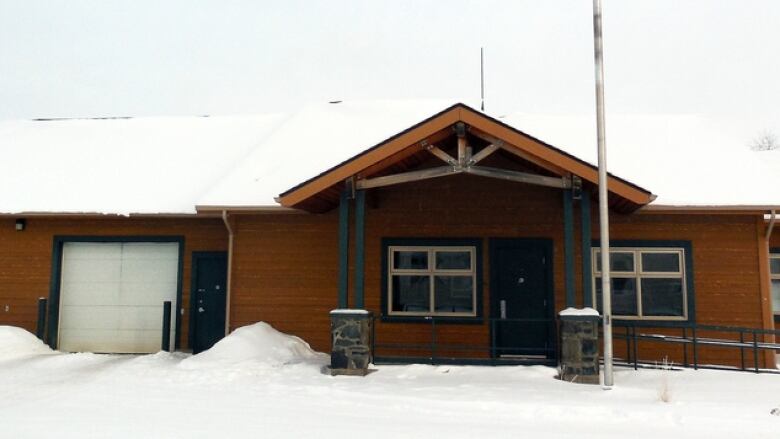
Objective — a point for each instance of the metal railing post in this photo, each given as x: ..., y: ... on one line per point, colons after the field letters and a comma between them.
x: 636, y: 356
x: 755, y: 350
x: 433, y: 341
x: 695, y: 351
x: 373, y: 338
x: 628, y: 344
x: 742, y: 349
x: 40, y: 328
x: 166, y: 326
x: 493, y: 340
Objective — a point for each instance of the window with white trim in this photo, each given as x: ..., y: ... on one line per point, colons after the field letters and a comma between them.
x: 646, y: 283
x: 774, y: 274
x: 431, y: 281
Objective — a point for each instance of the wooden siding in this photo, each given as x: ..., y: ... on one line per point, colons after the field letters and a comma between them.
x: 460, y: 207
x: 285, y: 273
x: 26, y: 256
x: 285, y: 267
x: 725, y: 274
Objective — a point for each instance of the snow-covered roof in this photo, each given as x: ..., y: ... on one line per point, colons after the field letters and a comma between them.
x: 123, y: 165
x: 171, y: 165
x: 686, y: 160
x: 315, y: 139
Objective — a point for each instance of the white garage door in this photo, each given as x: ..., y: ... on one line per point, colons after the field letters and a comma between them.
x: 112, y: 294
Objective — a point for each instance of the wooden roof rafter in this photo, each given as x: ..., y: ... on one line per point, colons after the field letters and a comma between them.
x: 466, y: 162
x: 394, y: 160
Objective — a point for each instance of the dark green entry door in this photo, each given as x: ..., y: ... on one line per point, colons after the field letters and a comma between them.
x: 209, y: 278
x: 522, y: 298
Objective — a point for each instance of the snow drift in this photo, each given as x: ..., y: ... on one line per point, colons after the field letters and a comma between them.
x: 17, y: 342
x: 259, y: 344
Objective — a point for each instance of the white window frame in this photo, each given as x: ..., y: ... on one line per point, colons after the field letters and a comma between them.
x: 773, y: 277
x: 431, y: 272
x: 638, y: 274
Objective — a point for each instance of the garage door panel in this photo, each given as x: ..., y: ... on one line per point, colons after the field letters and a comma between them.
x: 150, y: 251
x: 101, y: 251
x: 140, y: 317
x: 89, y: 317
x: 90, y: 293
x: 147, y: 294
x: 112, y: 294
x: 151, y: 270
x: 96, y: 270
x: 111, y: 341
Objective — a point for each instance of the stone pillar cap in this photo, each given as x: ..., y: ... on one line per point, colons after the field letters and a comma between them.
x: 579, y: 313
x: 350, y: 311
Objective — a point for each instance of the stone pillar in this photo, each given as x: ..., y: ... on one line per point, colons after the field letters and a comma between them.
x: 580, y: 345
x: 351, y: 332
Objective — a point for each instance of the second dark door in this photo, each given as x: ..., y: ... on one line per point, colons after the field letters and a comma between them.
x: 209, y: 278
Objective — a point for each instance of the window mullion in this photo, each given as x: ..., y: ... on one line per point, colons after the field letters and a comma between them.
x: 639, y: 310
x: 432, y: 280
x: 638, y: 279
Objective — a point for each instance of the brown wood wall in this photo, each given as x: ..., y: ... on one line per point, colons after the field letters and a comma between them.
x: 26, y: 256
x: 284, y: 273
x: 286, y: 266
x: 725, y: 275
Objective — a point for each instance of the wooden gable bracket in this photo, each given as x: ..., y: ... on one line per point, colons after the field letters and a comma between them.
x: 464, y: 163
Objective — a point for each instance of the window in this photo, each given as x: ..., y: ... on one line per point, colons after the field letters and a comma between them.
x: 646, y: 283
x: 774, y: 274
x: 432, y: 281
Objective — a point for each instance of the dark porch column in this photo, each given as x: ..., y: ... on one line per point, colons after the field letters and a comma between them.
x: 587, y: 287
x: 568, y: 247
x: 343, y: 249
x: 360, y: 213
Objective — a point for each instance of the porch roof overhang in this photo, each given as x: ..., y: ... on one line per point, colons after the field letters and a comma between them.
x: 397, y: 155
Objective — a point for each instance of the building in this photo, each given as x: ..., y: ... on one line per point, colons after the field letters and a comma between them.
x: 447, y: 223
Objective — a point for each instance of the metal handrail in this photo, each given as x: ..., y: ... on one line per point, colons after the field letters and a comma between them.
x: 748, y: 339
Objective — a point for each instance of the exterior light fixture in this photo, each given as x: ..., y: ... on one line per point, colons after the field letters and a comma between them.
x: 21, y: 223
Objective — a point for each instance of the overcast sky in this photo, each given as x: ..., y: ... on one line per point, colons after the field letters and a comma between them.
x: 113, y: 58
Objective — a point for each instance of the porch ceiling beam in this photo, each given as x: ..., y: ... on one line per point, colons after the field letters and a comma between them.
x: 406, y: 177
x: 448, y: 159
x: 490, y: 149
x: 522, y: 177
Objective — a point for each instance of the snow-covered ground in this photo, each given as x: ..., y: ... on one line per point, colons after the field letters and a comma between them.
x: 261, y: 384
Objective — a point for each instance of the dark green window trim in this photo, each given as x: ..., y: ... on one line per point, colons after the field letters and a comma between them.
x: 56, y: 276
x: 690, y: 288
x: 444, y: 242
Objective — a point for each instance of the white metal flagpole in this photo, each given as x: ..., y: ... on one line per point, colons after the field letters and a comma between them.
x: 603, y: 201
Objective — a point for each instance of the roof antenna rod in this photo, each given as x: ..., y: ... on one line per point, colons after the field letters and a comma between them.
x: 482, y: 75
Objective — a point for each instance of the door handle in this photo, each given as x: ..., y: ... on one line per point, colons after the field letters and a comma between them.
x: 503, y: 308
x: 200, y: 309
